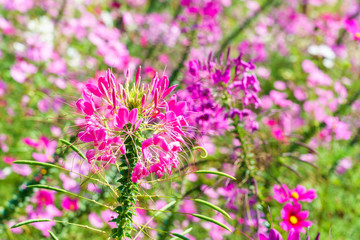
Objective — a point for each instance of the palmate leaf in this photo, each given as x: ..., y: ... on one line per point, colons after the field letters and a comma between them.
x: 31, y: 221
x: 215, y: 173
x: 216, y: 208
x: 205, y: 218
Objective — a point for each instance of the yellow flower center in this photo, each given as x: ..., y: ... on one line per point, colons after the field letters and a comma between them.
x: 293, y: 220
x: 295, y: 195
x: 43, y: 171
x: 357, y: 35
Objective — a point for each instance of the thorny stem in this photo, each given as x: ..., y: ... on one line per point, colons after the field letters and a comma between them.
x: 128, y: 191
x: 247, y: 165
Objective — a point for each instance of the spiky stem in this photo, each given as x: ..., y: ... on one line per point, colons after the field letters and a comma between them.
x: 128, y: 191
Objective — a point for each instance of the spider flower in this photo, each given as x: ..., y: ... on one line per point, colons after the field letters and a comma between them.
x: 134, y: 113
x: 220, y: 90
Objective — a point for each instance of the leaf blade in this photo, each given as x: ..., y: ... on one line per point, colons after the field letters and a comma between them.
x: 211, y: 220
x: 216, y: 208
x: 30, y: 221
x: 215, y: 173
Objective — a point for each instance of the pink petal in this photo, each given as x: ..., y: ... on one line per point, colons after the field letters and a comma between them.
x: 123, y: 116
x: 86, y: 136
x: 133, y: 116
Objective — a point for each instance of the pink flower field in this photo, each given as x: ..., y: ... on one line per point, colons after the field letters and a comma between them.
x: 179, y: 119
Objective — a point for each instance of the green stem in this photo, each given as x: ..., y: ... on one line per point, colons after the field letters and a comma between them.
x: 128, y: 191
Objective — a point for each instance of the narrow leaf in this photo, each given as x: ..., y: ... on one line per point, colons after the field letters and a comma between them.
x: 216, y: 173
x: 179, y: 236
x: 165, y: 208
x: 66, y: 192
x: 72, y: 146
x: 30, y: 221
x: 211, y: 220
x: 36, y: 163
x: 52, y: 235
x: 216, y: 208
x: 183, y: 233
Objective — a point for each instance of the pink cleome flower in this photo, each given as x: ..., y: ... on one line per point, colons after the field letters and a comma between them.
x: 116, y: 114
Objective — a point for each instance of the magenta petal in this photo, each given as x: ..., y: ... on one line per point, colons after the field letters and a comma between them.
x: 293, y: 235
x: 40, y: 157
x: 100, y: 134
x: 137, y: 125
x: 123, y: 115
x: 118, y: 123
x: 262, y: 237
x: 161, y: 142
x: 296, y: 208
x: 305, y: 224
x: 147, y: 143
x: 133, y: 116
x: 303, y: 215
x: 85, y: 136
x: 285, y: 225
x: 168, y: 91
x: 94, y: 89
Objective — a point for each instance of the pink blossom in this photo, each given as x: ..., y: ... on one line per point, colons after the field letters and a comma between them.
x: 294, y: 218
x: 70, y: 204
x: 95, y: 220
x: 44, y: 198
x: 107, y: 216
x: 344, y: 165
x: 21, y: 70
x: 353, y: 28
x: 139, y: 172
x: 284, y: 194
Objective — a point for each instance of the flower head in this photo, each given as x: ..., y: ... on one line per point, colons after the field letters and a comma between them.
x: 283, y: 194
x: 294, y: 218
x: 353, y: 28
x: 117, y: 114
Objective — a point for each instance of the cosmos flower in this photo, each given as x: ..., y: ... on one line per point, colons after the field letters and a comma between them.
x: 294, y: 218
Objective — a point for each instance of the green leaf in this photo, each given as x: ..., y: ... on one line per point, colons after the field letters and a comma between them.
x: 182, y: 234
x: 66, y: 192
x: 31, y: 221
x: 72, y: 146
x: 164, y: 208
x: 216, y: 208
x: 36, y: 163
x: 52, y: 235
x: 211, y: 220
x: 179, y: 236
x: 216, y: 173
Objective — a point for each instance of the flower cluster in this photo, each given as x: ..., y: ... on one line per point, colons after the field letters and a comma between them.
x: 117, y: 114
x: 275, y: 235
x: 293, y: 217
x: 219, y: 91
